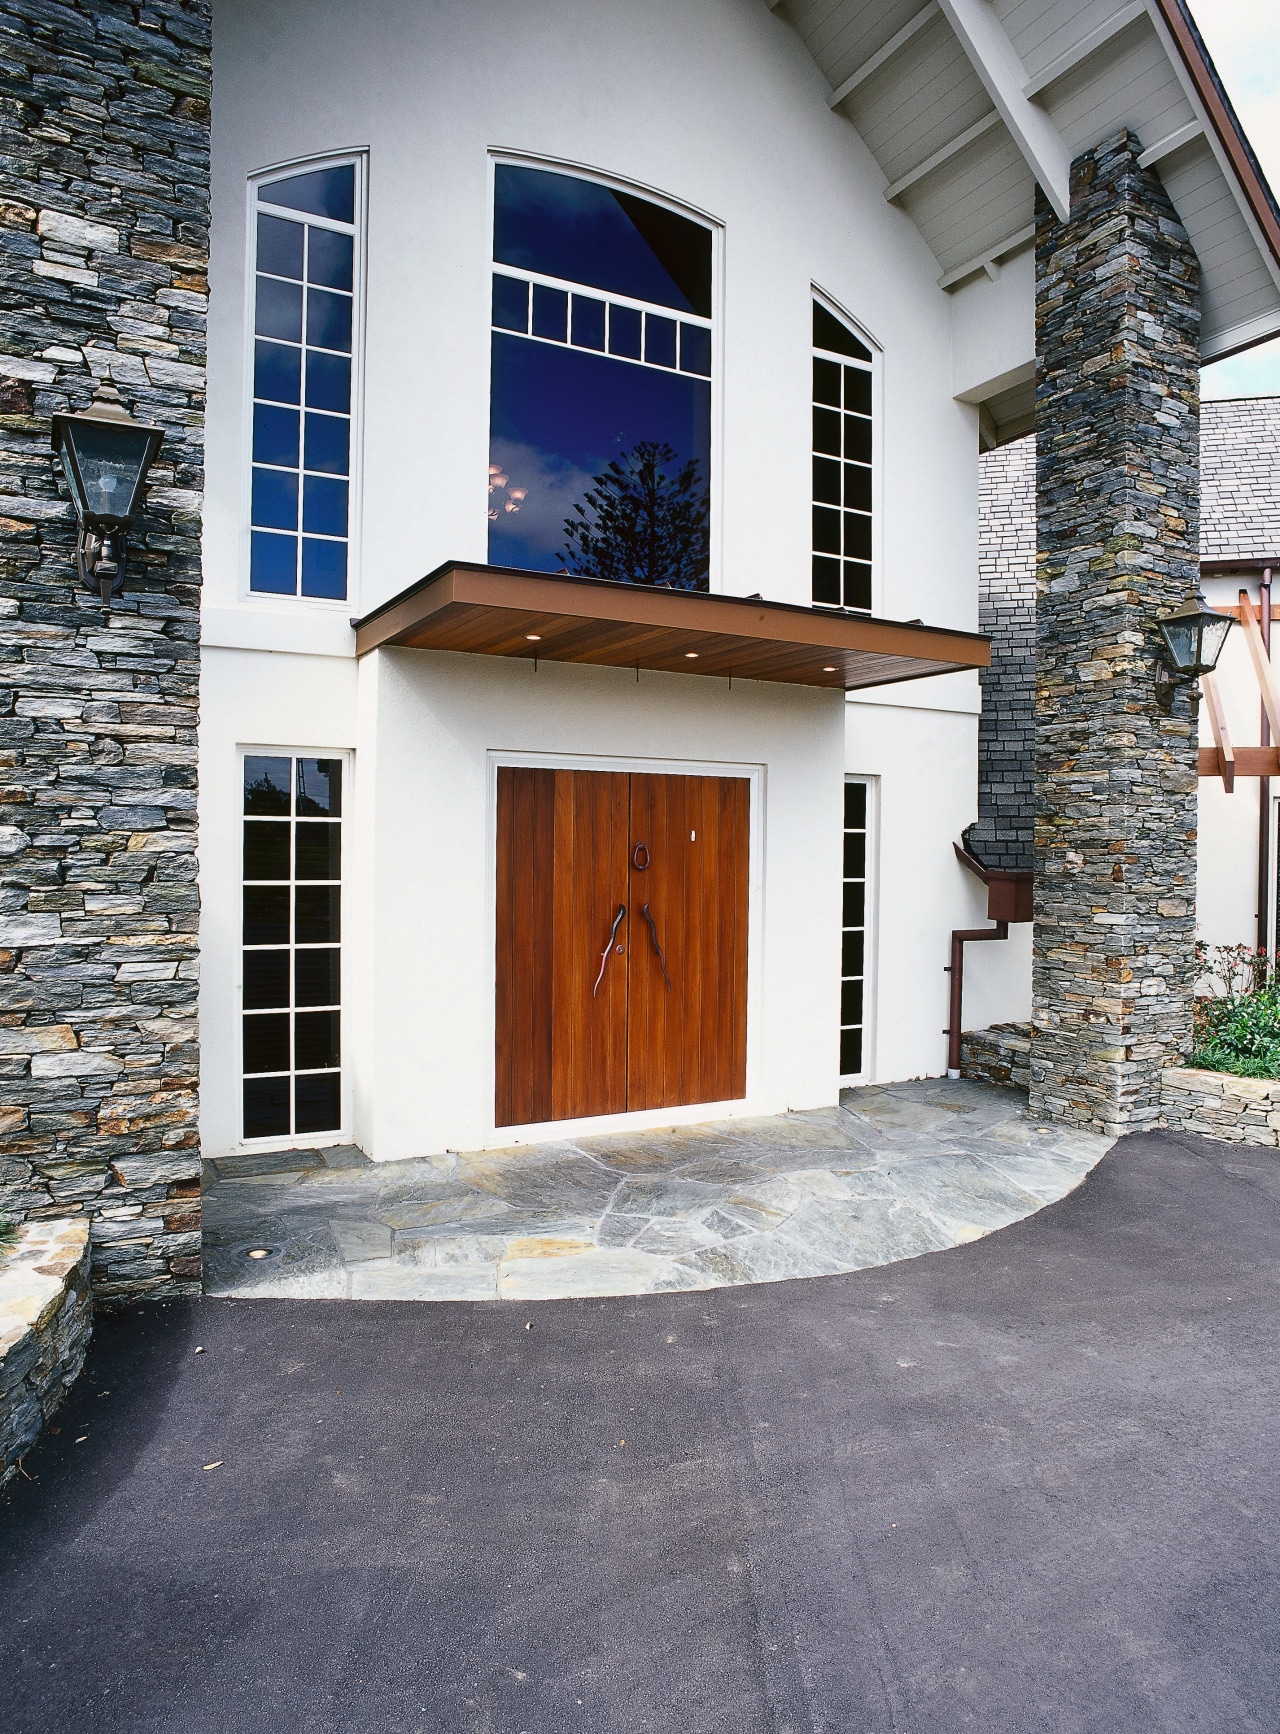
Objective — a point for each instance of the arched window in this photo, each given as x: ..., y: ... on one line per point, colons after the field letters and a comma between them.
x: 306, y: 238
x: 600, y: 409
x: 842, y: 474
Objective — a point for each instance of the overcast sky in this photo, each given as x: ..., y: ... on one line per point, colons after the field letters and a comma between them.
x: 1244, y: 40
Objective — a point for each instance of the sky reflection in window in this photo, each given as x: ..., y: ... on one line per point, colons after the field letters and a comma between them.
x: 600, y: 423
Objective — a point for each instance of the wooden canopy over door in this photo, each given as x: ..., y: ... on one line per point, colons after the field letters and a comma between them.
x: 621, y: 942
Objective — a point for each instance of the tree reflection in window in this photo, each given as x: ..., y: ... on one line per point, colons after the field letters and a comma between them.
x: 643, y: 521
x: 600, y: 426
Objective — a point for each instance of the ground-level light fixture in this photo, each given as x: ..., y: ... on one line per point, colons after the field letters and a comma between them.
x: 105, y: 456
x: 1193, y: 638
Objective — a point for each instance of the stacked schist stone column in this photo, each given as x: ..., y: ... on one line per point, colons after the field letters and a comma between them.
x: 1117, y: 484
x: 104, y: 210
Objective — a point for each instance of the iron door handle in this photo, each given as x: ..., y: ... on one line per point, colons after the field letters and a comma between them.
x: 604, y: 955
x: 653, y: 935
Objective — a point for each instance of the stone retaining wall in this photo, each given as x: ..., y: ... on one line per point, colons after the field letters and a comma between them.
x: 45, y: 1320
x: 998, y: 1055
x: 1220, y: 1105
x: 104, y: 251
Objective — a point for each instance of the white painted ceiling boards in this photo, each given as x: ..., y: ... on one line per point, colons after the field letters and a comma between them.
x: 965, y: 104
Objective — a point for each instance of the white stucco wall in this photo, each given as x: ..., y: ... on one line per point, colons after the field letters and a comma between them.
x: 924, y: 763
x: 425, y: 891
x: 994, y: 332
x: 718, y: 106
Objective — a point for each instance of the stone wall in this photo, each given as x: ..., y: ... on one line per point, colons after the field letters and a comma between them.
x: 104, y: 210
x: 46, y: 1317
x: 1004, y: 835
x: 1219, y: 1105
x: 1000, y: 1054
x: 1117, y: 488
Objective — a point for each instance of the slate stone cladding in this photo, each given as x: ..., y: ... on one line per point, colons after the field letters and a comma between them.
x: 1004, y: 835
x: 104, y: 211
x: 1240, y: 461
x: 1117, y: 493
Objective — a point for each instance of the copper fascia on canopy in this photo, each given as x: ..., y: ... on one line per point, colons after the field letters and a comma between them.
x: 555, y: 617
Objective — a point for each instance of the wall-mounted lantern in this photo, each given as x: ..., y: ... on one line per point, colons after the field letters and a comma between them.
x: 105, y: 455
x: 1193, y: 639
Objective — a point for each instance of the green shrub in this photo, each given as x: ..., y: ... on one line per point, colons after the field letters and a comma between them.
x: 1237, y: 1016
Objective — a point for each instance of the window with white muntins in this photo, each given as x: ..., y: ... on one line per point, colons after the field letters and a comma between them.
x: 601, y: 382
x: 291, y: 1026
x: 843, y: 537
x: 307, y: 268
x: 854, y: 925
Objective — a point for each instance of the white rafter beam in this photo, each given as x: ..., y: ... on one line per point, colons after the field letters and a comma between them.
x: 1085, y: 48
x: 884, y: 55
x: 988, y: 261
x: 1173, y: 142
x: 992, y: 57
x: 961, y: 142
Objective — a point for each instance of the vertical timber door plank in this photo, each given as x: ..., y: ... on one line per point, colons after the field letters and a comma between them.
x: 590, y: 1072
x: 700, y: 1079
x: 522, y: 1000
x: 504, y: 1110
x: 566, y: 1010
x: 643, y: 1059
x: 736, y: 800
x: 684, y: 831
x: 542, y: 948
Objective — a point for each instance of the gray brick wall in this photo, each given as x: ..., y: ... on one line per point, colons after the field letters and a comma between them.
x: 104, y: 209
x: 1004, y: 835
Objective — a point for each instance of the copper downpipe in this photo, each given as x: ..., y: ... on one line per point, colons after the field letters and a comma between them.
x: 955, y: 1015
x: 1264, y: 784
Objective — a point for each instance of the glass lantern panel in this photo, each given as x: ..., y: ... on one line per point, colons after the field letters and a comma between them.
x: 1213, y: 637
x: 1182, y: 638
x: 109, y: 457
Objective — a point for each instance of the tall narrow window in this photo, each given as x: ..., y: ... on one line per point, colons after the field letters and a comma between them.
x: 842, y: 429
x: 600, y: 416
x: 292, y: 946
x: 853, y: 939
x: 304, y: 336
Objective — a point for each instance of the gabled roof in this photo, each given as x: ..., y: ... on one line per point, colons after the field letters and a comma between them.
x: 966, y: 104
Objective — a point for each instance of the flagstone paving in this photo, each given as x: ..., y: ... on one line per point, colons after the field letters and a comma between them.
x: 895, y: 1171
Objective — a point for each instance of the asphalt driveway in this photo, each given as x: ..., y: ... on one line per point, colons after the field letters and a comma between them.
x: 1028, y: 1484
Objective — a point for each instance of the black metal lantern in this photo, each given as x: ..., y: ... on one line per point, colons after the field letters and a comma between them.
x: 105, y: 456
x: 1193, y: 639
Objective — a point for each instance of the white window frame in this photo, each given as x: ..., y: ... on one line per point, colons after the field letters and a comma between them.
x: 876, y: 370
x: 871, y: 927
x: 344, y: 1133
x: 359, y: 158
x: 589, y: 172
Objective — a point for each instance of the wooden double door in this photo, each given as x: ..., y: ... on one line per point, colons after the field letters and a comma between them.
x: 621, y: 942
